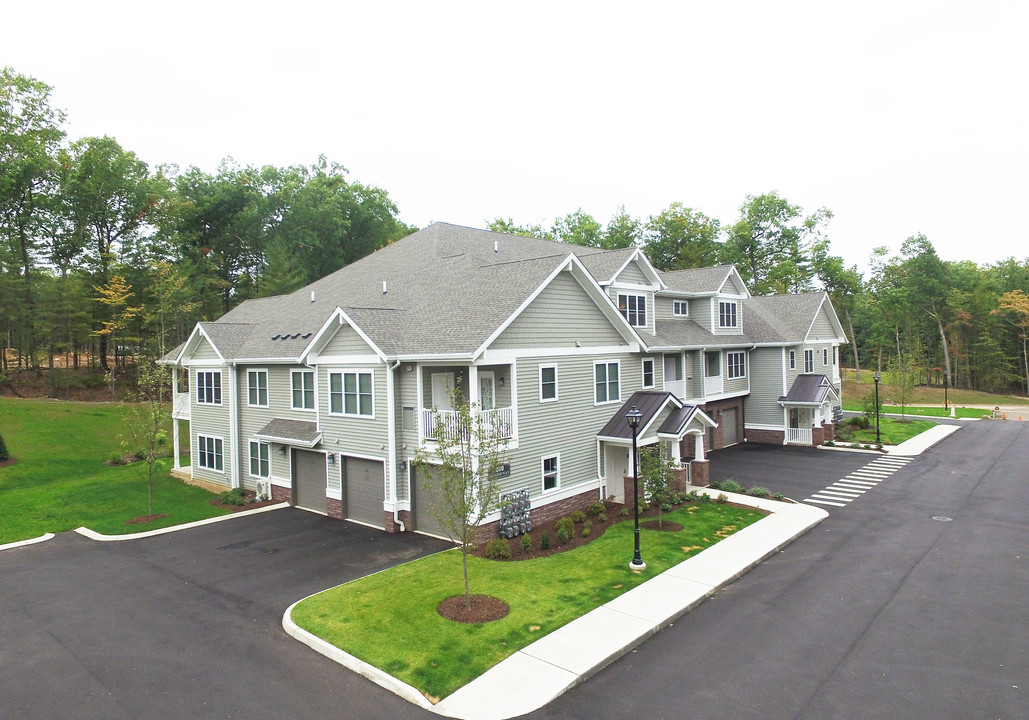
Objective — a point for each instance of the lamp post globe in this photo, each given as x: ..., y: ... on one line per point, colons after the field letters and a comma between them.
x: 633, y: 417
x: 877, y: 377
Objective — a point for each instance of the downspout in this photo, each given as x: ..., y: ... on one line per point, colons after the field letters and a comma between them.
x: 391, y: 439
x: 234, y: 426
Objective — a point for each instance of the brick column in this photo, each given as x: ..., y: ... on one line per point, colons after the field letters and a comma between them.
x: 701, y: 470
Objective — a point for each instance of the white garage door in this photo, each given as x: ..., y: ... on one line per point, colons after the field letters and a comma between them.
x: 309, y: 480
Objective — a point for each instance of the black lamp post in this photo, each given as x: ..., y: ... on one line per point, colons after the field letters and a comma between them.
x: 633, y: 417
x: 946, y: 384
x: 877, y: 377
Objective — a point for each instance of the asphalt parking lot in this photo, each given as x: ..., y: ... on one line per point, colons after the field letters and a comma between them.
x: 188, y: 624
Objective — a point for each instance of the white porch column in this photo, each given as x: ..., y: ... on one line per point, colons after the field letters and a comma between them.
x: 698, y: 446
x: 676, y: 453
x: 175, y: 420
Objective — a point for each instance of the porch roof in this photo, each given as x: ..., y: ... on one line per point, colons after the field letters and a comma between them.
x: 809, y: 389
x: 649, y: 402
x: 291, y: 432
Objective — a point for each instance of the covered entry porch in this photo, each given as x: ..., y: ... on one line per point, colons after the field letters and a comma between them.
x: 808, y: 407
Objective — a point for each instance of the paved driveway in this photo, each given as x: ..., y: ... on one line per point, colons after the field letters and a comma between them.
x: 186, y: 625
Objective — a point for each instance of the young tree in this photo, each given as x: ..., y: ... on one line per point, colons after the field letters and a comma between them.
x: 464, y: 487
x: 4, y: 453
x: 657, y: 471
x: 904, y: 375
x: 145, y: 418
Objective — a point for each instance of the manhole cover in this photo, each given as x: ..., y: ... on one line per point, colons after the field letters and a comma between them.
x: 942, y: 518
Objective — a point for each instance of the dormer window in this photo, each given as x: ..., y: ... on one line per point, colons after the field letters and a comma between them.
x: 680, y: 308
x: 727, y: 315
x: 633, y: 308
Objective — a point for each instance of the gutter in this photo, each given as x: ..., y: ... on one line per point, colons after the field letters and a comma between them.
x: 391, y: 437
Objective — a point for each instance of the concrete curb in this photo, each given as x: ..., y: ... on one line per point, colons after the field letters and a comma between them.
x: 23, y: 543
x: 93, y: 535
x: 923, y: 441
x: 535, y: 675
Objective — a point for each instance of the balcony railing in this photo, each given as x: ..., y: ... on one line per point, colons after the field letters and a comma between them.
x: 798, y: 436
x: 496, y: 423
x: 180, y: 406
x: 676, y: 387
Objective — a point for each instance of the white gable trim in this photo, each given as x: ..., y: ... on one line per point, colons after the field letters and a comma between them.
x: 191, y: 344
x: 834, y: 319
x: 328, y: 329
x: 648, y: 270
x: 734, y: 274
x: 602, y: 300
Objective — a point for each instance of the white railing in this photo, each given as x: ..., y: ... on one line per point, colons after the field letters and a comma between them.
x: 713, y: 385
x: 676, y: 387
x: 801, y: 436
x: 498, y: 420
x: 180, y: 406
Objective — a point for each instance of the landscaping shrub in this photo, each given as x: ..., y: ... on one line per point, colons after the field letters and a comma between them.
x: 731, y: 485
x: 578, y: 516
x: 526, y: 542
x: 666, y: 507
x: 624, y: 512
x: 498, y: 549
x: 596, y: 509
x: 714, y: 485
x: 586, y: 527
x: 565, y: 530
x: 722, y: 498
x: 4, y: 453
x: 545, y: 540
x: 779, y: 496
x: 758, y: 492
x: 234, y: 496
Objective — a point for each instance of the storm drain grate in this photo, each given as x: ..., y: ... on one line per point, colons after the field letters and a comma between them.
x: 942, y: 518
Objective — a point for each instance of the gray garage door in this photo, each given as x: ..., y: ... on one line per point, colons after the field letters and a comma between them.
x: 421, y: 502
x: 730, y: 427
x: 309, y: 480
x: 363, y: 482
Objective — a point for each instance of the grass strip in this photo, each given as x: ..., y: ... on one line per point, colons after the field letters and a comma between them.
x: 390, y: 621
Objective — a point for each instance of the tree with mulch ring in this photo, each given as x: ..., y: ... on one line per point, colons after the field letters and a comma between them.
x: 4, y: 454
x: 474, y: 609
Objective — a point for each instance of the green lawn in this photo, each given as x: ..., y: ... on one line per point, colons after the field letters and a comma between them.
x: 961, y: 412
x: 893, y: 431
x: 60, y: 481
x: 390, y: 621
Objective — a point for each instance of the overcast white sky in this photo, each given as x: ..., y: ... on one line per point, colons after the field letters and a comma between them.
x: 900, y: 117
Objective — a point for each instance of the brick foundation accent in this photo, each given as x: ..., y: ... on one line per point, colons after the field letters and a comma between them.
x: 546, y: 513
x: 766, y: 437
x: 679, y: 483
x: 282, y: 494
x: 391, y: 526
x: 828, y: 432
x: 701, y: 470
x: 816, y: 436
x: 334, y: 508
x: 711, y: 410
x: 627, y: 489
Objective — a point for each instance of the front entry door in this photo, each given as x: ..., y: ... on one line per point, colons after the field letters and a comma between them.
x: 487, y: 392
x: 442, y: 389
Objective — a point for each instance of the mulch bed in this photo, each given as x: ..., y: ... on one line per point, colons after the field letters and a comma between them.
x: 8, y: 461
x: 663, y: 525
x: 484, y: 608
x: 144, y: 519
x: 252, y: 503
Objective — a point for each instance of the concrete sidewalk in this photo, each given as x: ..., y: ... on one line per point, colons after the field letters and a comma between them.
x: 535, y: 675
x: 923, y: 441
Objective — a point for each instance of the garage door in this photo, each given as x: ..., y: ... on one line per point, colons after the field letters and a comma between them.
x: 421, y: 502
x: 309, y: 480
x: 363, y: 483
x: 730, y: 427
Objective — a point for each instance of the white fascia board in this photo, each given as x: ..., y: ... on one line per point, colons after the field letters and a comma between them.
x: 648, y: 270
x: 589, y: 284
x: 433, y: 358
x: 733, y: 272
x: 195, y: 337
x: 490, y: 357
x: 322, y: 337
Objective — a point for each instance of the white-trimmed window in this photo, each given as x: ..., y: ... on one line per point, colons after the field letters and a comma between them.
x: 551, y: 473
x: 350, y: 393
x: 809, y: 361
x: 835, y: 358
x: 727, y: 315
x: 209, y: 387
x: 793, y: 359
x: 548, y: 383
x: 648, y: 372
x: 825, y: 356
x: 257, y: 388
x: 260, y: 459
x: 302, y: 385
x: 605, y: 379
x: 681, y: 308
x: 737, y: 362
x: 209, y: 452
x: 633, y: 308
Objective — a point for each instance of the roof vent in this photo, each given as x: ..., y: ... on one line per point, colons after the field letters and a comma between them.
x: 496, y: 246
x: 312, y: 296
x: 383, y: 287
x: 275, y: 337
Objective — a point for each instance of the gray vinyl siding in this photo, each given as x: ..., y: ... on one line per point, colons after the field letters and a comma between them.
x: 346, y: 341
x: 664, y: 308
x: 350, y: 434
x: 716, y: 317
x: 694, y: 367
x: 204, y: 351
x: 561, y: 315
x: 736, y: 384
x: 252, y: 419
x: 822, y: 328
x: 633, y: 274
x: 615, y: 292
x: 405, y: 385
x: 700, y: 311
x: 212, y: 421
x: 732, y: 286
x: 761, y: 406
x: 567, y: 427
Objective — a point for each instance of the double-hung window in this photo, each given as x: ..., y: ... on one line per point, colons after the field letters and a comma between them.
x: 648, y: 372
x: 548, y: 383
x: 302, y: 389
x: 809, y: 361
x: 727, y: 315
x: 209, y: 387
x: 605, y: 377
x: 260, y: 462
x: 633, y: 309
x: 551, y: 477
x: 825, y: 356
x: 257, y: 388
x: 209, y: 452
x: 737, y: 362
x: 793, y: 359
x: 350, y: 393
x: 681, y: 308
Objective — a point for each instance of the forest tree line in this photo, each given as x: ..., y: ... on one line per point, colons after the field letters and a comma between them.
x: 102, y: 255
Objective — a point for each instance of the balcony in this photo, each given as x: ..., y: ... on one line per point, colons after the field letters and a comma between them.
x: 496, y: 423
x: 180, y: 406
x: 798, y: 436
x: 677, y: 388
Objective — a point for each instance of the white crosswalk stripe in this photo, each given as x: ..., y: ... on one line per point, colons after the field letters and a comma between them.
x: 858, y: 482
